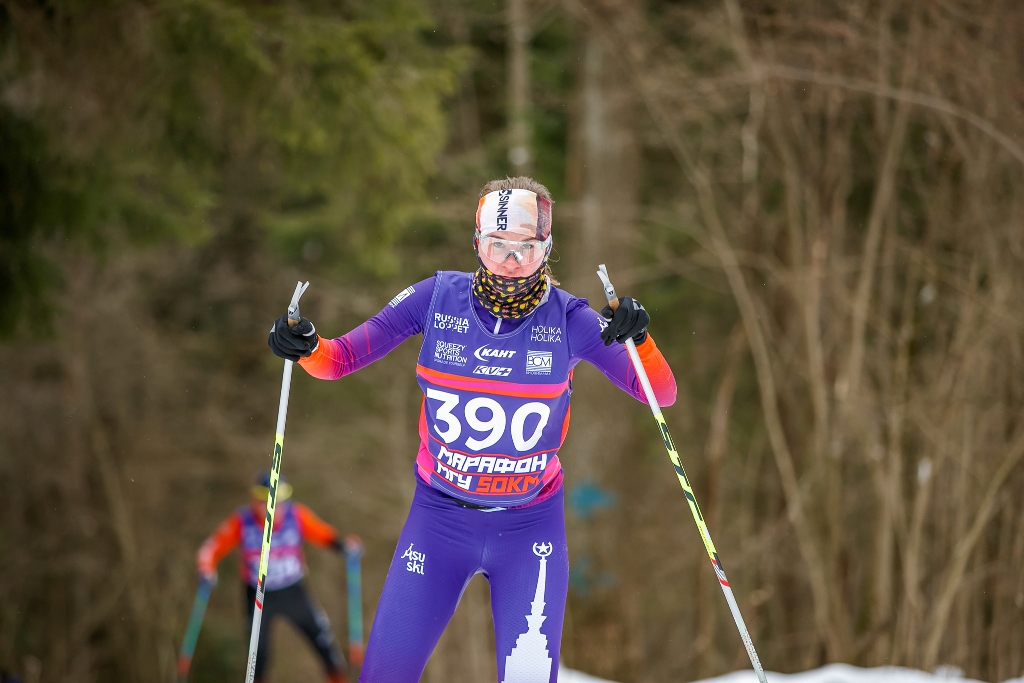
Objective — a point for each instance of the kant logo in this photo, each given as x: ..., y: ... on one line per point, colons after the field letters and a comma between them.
x: 538, y: 362
x: 485, y: 353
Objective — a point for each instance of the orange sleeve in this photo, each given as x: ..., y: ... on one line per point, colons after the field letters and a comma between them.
x: 324, y: 362
x: 658, y: 371
x: 314, y: 529
x: 220, y: 543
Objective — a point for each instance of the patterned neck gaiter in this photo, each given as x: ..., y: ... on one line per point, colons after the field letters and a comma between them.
x: 509, y: 297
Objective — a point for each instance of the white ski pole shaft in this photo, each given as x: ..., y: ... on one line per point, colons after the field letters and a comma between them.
x: 275, y: 475
x: 684, y: 482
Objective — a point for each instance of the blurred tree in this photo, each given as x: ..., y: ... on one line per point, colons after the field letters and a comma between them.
x: 819, y: 202
x: 238, y: 138
x: 152, y: 121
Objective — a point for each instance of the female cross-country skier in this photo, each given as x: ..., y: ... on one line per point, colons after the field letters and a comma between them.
x: 495, y: 368
x: 285, y: 594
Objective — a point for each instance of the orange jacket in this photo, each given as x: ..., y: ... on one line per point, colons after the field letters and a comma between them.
x: 229, y: 534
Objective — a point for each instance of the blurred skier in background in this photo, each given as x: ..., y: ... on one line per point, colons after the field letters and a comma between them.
x: 285, y: 596
x: 495, y: 367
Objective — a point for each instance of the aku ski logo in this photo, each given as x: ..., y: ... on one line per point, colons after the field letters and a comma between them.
x: 416, y: 560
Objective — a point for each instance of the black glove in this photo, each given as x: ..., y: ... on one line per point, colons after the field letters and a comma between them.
x: 292, y: 343
x: 630, y: 319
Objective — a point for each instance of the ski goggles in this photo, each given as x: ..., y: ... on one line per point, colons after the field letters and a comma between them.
x: 284, y: 491
x: 498, y: 249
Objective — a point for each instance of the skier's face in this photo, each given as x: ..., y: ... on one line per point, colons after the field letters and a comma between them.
x: 259, y: 507
x: 510, y: 266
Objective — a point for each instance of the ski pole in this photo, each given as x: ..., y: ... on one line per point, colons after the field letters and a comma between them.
x: 613, y: 303
x: 353, y: 574
x: 195, y: 622
x: 275, y: 475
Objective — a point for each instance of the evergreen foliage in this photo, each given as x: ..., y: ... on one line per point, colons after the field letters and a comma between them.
x: 156, y: 121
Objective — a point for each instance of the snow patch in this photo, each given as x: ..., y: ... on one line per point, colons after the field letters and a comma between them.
x: 833, y: 673
x: 570, y: 676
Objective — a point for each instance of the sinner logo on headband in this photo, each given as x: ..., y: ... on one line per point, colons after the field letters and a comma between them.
x: 514, y: 211
x: 503, y: 197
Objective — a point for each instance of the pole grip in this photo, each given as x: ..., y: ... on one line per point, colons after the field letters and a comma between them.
x: 293, y: 307
x: 354, y: 546
x: 609, y: 289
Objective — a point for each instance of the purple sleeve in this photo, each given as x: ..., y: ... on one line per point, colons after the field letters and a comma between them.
x: 403, y: 317
x: 584, y: 326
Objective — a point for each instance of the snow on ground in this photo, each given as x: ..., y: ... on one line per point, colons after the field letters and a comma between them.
x: 570, y: 676
x: 833, y: 673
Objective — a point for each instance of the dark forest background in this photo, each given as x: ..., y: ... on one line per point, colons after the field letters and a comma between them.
x: 820, y: 202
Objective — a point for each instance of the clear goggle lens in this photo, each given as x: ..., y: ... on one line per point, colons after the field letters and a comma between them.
x: 498, y: 249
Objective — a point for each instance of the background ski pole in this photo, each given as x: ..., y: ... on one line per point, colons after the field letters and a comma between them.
x: 275, y: 474
x: 195, y: 622
x: 353, y: 573
x: 613, y: 303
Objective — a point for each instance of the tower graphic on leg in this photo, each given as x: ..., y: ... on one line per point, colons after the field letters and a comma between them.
x: 529, y: 661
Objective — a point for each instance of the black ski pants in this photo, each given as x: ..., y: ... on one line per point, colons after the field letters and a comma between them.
x: 294, y: 603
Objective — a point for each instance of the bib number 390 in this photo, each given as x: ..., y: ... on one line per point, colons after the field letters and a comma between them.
x: 493, y: 426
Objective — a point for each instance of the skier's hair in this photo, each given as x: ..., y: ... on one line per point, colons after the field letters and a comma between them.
x: 518, y: 183
x: 522, y: 182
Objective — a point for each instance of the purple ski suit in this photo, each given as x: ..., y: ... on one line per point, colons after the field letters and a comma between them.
x: 489, y: 487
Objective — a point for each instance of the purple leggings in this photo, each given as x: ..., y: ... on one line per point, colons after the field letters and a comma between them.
x: 523, y: 555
